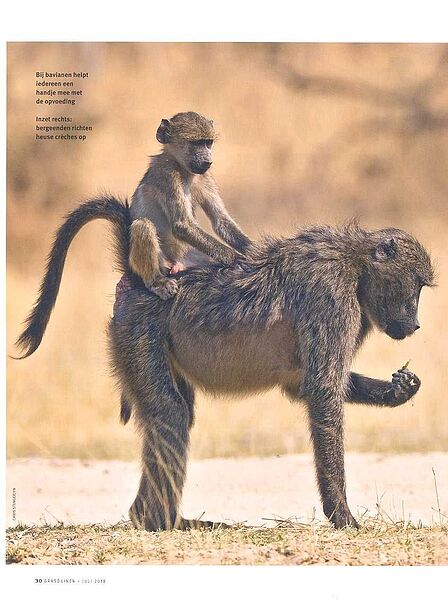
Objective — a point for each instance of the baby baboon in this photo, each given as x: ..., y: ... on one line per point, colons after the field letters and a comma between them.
x: 292, y: 314
x: 163, y: 207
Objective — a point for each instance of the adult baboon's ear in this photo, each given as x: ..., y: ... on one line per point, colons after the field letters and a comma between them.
x: 386, y: 250
x: 163, y: 132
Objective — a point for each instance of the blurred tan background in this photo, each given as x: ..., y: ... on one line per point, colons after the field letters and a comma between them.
x: 308, y: 133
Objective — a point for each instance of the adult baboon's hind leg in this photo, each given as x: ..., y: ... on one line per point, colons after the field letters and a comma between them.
x: 163, y: 418
x: 187, y: 391
x: 164, y: 410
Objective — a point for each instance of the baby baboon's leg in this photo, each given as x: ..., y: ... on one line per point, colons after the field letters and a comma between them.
x: 144, y: 257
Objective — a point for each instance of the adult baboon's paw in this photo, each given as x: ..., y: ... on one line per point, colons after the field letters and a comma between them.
x: 164, y: 288
x: 343, y: 518
x: 136, y: 513
x: 405, y: 384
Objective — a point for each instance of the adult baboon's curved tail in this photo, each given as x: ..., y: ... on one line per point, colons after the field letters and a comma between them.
x: 102, y: 207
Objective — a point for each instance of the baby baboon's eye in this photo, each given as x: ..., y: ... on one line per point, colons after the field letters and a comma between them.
x: 209, y: 143
x: 202, y: 143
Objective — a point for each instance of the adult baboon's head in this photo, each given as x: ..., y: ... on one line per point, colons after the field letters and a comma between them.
x: 395, y: 271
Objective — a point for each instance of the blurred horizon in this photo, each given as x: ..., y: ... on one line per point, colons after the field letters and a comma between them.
x: 308, y: 133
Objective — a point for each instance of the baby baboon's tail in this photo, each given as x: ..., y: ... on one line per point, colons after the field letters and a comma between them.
x: 103, y: 207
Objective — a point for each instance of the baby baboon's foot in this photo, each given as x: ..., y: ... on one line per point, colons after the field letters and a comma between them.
x: 187, y: 524
x: 177, y: 268
x: 405, y: 384
x: 163, y: 287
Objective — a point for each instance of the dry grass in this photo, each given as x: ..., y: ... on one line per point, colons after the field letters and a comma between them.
x: 285, y: 156
x: 376, y: 543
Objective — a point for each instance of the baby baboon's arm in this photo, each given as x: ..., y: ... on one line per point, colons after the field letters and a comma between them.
x: 207, y: 196
x: 185, y: 228
x: 364, y: 390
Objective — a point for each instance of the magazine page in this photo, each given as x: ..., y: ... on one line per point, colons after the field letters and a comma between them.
x: 226, y: 332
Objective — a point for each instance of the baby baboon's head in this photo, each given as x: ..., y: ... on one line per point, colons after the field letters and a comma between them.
x: 188, y: 137
x: 396, y: 270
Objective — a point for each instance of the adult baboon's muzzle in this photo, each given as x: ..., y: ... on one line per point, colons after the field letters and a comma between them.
x: 398, y: 330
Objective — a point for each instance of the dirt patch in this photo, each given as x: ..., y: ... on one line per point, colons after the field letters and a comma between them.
x: 250, y: 490
x: 59, y: 503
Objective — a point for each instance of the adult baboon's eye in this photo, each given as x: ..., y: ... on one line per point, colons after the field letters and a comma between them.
x: 209, y: 143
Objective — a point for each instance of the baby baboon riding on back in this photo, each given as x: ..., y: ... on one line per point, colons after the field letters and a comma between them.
x: 160, y: 234
x: 292, y: 314
x: 164, y: 230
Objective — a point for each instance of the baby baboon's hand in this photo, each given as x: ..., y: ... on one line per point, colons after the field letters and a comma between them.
x: 405, y: 384
x: 229, y: 256
x: 164, y: 287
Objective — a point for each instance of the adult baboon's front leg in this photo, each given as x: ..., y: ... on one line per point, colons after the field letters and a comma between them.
x: 326, y: 420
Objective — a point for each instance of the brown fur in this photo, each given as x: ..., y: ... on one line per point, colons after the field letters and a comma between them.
x: 292, y: 314
x: 176, y: 183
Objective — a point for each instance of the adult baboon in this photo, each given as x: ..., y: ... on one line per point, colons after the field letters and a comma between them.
x: 164, y: 231
x: 292, y: 314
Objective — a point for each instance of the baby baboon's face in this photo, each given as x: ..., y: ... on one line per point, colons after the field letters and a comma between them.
x: 198, y: 156
x: 188, y: 138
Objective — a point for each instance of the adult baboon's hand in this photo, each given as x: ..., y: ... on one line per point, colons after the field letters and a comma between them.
x: 405, y: 385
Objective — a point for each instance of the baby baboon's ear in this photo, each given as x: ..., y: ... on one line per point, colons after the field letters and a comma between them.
x: 386, y: 250
x: 163, y: 132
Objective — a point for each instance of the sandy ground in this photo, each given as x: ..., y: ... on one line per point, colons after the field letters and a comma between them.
x: 253, y: 490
